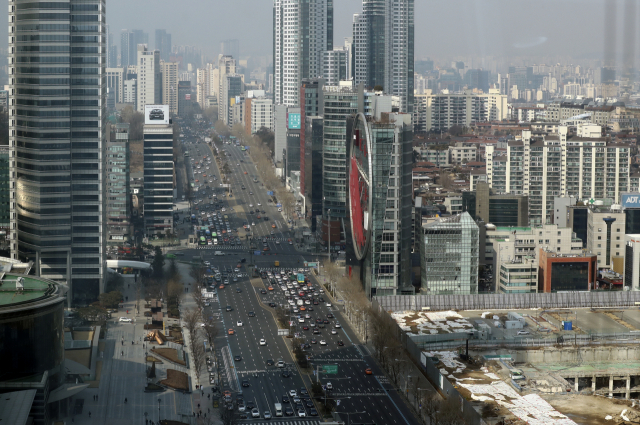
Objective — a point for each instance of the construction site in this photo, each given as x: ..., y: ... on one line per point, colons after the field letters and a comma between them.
x: 537, y: 366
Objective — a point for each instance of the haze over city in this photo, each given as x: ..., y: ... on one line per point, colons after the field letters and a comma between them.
x: 306, y: 212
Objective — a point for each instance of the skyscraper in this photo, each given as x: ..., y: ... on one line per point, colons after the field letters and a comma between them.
x: 383, y: 48
x: 380, y: 198
x: 57, y: 138
x: 149, y: 78
x: 163, y: 44
x: 158, y: 171
x: 230, y: 48
x: 302, y: 31
x: 126, y: 44
x: 170, y: 85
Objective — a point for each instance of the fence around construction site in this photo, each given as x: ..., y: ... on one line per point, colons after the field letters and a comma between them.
x: 510, y: 301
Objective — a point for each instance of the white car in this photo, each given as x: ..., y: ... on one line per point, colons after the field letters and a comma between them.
x: 263, y: 341
x: 323, y: 342
x: 125, y: 319
x: 523, y: 332
x: 259, y: 204
x: 293, y: 393
x: 337, y: 325
x: 239, y: 323
x: 250, y: 205
x: 206, y: 263
x: 280, y: 209
x: 301, y: 320
x: 255, y: 413
x: 302, y: 413
x: 328, y: 304
x: 334, y: 332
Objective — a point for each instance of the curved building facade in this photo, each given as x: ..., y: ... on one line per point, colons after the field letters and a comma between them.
x: 379, y: 202
x: 31, y: 328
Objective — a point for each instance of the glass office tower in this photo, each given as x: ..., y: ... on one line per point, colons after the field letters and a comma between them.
x: 56, y: 134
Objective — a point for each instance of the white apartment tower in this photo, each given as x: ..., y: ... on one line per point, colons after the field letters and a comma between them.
x: 383, y: 46
x: 170, y: 85
x: 558, y: 165
x: 149, y: 90
x: 302, y: 31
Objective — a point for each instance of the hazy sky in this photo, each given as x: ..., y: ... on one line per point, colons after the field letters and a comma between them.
x: 444, y: 28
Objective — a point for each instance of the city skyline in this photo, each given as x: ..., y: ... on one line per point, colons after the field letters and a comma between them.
x: 477, y: 33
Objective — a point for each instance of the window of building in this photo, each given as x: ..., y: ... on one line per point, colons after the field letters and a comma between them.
x: 599, y: 246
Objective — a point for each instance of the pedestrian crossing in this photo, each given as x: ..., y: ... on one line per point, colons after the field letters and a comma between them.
x: 224, y: 247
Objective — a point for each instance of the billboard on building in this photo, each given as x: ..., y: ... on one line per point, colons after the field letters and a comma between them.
x: 631, y: 200
x: 187, y: 96
x: 294, y: 122
x: 156, y: 114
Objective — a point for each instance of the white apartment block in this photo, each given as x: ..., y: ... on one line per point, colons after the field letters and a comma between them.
x: 462, y: 153
x: 584, y: 167
x: 514, y: 253
x: 302, y: 31
x: 261, y: 114
x: 170, y: 85
x: 131, y: 92
x: 149, y: 89
x: 205, y: 83
x: 440, y: 112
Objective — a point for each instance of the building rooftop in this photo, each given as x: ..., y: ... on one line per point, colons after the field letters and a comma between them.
x: 17, y: 289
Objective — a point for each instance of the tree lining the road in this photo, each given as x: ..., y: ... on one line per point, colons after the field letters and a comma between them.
x: 191, y: 318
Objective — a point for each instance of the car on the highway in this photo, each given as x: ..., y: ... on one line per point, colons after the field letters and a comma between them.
x: 368, y: 371
x: 245, y: 383
x: 337, y: 325
x: 231, y: 332
x: 313, y: 412
x: 285, y: 398
x: 288, y: 411
x: 286, y: 374
x: 237, y: 358
x: 239, y: 323
x: 323, y: 342
x: 281, y: 363
x: 125, y: 319
x: 267, y: 414
x: 340, y: 343
x: 255, y: 413
x: 251, y: 314
x: 270, y: 362
x: 334, y: 332
x: 241, y: 406
x: 263, y: 341
x: 302, y: 413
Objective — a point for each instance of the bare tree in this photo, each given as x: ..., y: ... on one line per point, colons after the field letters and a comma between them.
x: 430, y: 405
x: 197, y: 354
x: 191, y: 317
x: 212, y: 331
x: 197, y: 295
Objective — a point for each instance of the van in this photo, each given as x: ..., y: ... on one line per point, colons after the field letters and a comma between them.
x: 278, y: 409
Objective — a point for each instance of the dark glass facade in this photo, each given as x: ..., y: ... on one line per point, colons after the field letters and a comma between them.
x: 293, y: 152
x: 158, y: 179
x: 58, y: 99
x: 632, y: 221
x: 503, y: 212
x: 315, y: 127
x: 569, y: 276
x: 580, y: 218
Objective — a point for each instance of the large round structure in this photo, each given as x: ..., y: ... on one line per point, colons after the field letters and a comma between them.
x: 31, y: 327
x: 360, y: 206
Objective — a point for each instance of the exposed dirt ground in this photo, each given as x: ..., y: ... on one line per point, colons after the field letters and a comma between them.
x: 135, y: 156
x: 588, y: 410
x: 169, y: 354
x: 176, y: 379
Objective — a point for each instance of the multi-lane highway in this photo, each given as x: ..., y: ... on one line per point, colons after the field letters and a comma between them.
x: 245, y: 314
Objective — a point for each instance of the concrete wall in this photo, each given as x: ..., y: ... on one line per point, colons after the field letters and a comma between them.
x: 584, y: 355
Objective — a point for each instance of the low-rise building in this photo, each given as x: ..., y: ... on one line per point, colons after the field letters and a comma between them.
x: 566, y: 272
x: 605, y: 235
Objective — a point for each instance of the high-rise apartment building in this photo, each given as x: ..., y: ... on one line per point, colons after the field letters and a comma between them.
x: 334, y: 66
x: 261, y: 114
x: 380, y: 198
x: 163, y: 44
x: 226, y: 66
x: 441, y: 111
x: 206, y: 84
x: 302, y: 31
x: 170, y: 85
x: 383, y: 48
x: 149, y: 91
x: 4, y: 190
x: 118, y: 207
x: 559, y: 165
x: 56, y: 137
x: 129, y: 41
x: 158, y: 171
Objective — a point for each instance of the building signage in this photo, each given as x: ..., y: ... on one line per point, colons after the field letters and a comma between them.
x: 156, y: 114
x: 294, y: 121
x: 187, y: 96
x: 631, y: 200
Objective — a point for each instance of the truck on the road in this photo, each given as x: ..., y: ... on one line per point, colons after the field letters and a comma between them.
x: 278, y: 409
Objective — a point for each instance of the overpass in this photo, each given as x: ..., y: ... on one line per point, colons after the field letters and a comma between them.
x: 118, y: 264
